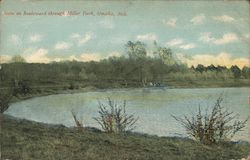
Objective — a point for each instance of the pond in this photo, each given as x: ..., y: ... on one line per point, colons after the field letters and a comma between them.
x: 153, y: 106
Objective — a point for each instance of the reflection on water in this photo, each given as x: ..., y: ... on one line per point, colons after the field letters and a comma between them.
x: 153, y: 106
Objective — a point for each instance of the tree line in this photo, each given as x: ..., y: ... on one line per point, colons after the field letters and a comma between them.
x: 135, y: 69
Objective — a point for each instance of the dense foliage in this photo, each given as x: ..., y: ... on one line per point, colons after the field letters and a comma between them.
x: 5, y: 98
x: 135, y: 69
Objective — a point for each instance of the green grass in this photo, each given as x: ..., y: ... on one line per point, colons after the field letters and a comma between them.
x: 208, y: 83
x: 40, y: 91
x: 26, y: 140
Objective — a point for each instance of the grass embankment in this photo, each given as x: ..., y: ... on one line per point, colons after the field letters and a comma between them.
x: 171, y: 83
x: 22, y: 139
x: 46, y: 92
x: 208, y: 83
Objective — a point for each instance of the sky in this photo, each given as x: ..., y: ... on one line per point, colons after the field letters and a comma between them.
x: 204, y: 32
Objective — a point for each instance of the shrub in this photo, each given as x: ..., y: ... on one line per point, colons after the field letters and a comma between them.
x: 217, y: 126
x: 21, y: 87
x: 25, y: 87
x: 79, y: 124
x: 5, y: 100
x: 114, y: 119
x: 73, y: 85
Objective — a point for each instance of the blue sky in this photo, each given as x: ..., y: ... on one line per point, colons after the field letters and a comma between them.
x: 197, y: 31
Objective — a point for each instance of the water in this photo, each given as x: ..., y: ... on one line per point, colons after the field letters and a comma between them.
x: 154, y: 107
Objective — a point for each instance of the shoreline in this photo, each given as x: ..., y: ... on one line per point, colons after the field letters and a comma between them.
x: 47, y: 141
x: 94, y: 89
x: 54, y: 140
x: 95, y: 129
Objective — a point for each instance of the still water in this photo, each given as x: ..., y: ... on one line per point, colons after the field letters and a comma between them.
x: 153, y: 106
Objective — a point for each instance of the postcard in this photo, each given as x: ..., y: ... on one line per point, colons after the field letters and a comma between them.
x: 125, y: 80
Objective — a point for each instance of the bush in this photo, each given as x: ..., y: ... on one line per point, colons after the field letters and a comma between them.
x: 79, y: 124
x: 114, y: 119
x: 217, y: 126
x: 5, y: 100
x: 73, y: 85
x: 25, y: 87
x: 21, y: 87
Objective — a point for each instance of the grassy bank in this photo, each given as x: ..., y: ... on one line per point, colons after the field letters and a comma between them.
x: 46, y: 92
x: 40, y: 91
x: 22, y: 139
x: 208, y: 83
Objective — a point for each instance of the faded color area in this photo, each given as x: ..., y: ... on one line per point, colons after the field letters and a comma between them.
x: 197, y: 31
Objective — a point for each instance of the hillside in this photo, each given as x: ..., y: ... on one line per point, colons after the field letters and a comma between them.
x: 22, y: 139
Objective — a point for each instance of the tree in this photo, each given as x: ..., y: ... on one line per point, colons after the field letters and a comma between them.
x: 200, y: 68
x: 236, y: 71
x: 21, y: 87
x: 1, y: 73
x: 5, y: 98
x: 192, y: 68
x: 246, y: 72
x: 212, y: 68
x: 221, y: 68
x: 136, y: 50
x: 165, y: 54
x: 17, y: 59
x: 76, y: 69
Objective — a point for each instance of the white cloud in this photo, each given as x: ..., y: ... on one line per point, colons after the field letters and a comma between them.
x: 171, y: 22
x: 174, y: 42
x: 107, y: 23
x: 223, y: 18
x: 15, y: 39
x: 206, y: 37
x: 88, y: 36
x: 92, y: 56
x: 75, y: 35
x: 116, y: 54
x: 180, y: 43
x: 85, y: 57
x: 226, y: 38
x: 40, y: 55
x: 198, y: 20
x: 81, y: 40
x: 223, y: 59
x: 36, y: 55
x: 188, y: 46
x: 5, y: 58
x: 57, y: 59
x: 35, y: 38
x: 62, y: 45
x: 72, y: 58
x: 247, y: 36
x: 119, y: 39
x: 147, y: 37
